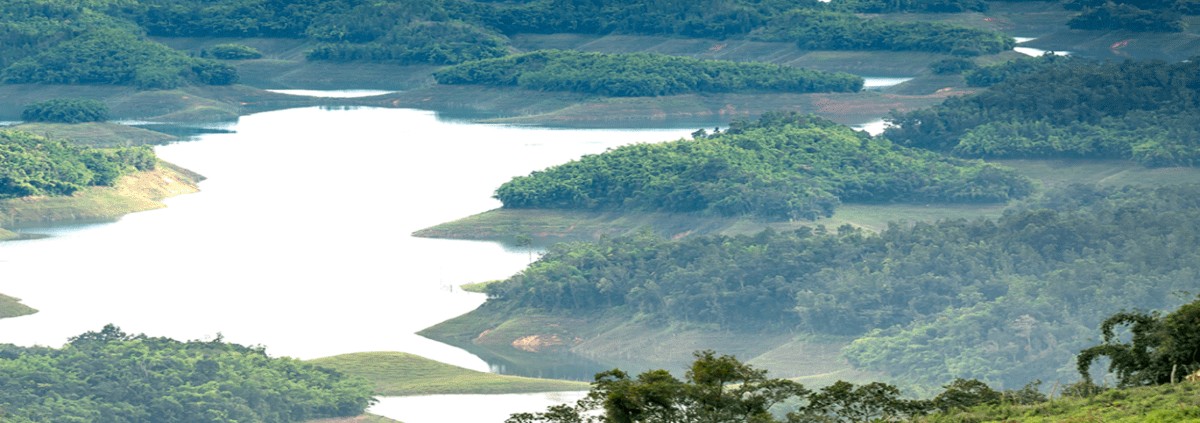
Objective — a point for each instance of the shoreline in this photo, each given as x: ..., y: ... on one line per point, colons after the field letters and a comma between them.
x: 502, y: 106
x: 136, y: 192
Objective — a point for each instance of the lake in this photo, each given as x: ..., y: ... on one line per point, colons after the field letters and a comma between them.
x: 300, y: 238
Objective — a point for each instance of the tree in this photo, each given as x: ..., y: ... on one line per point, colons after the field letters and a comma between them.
x: 843, y: 402
x: 966, y: 393
x: 717, y: 389
x: 65, y: 110
x: 1159, y: 347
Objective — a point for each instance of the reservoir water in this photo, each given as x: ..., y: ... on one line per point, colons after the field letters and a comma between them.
x: 300, y: 239
x: 1034, y: 52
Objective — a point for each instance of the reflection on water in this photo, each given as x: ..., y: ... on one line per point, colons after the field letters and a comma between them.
x: 877, y: 82
x: 874, y: 127
x: 1035, y: 52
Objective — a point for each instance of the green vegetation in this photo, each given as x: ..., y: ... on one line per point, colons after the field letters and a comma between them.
x: 426, y: 42
x: 66, y: 111
x: 477, y: 287
x: 1058, y: 107
x: 553, y: 225
x: 12, y: 307
x: 132, y: 193
x: 819, y: 30
x: 1161, y: 404
x: 365, y: 418
x: 998, y: 300
x: 112, y: 376
x: 1162, y: 350
x: 781, y: 167
x: 951, y: 66
x: 921, y: 6
x: 834, y: 28
x: 1133, y: 15
x: 28, y: 27
x: 640, y: 74
x: 234, y: 52
x: 116, y: 57
x: 33, y: 165
x: 723, y: 389
x: 57, y: 41
x: 396, y: 373
x: 97, y: 134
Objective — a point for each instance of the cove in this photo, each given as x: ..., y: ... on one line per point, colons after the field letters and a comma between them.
x: 300, y: 237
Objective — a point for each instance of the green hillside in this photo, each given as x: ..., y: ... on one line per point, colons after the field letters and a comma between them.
x: 781, y: 167
x: 399, y: 374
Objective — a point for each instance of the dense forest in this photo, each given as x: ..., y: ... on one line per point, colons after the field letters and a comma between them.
x: 65, y: 110
x: 1003, y: 300
x: 783, y: 166
x: 1133, y: 15
x: 60, y: 42
x: 1067, y: 107
x: 105, y: 42
x: 820, y: 30
x: 111, y: 376
x: 640, y: 74
x: 34, y: 165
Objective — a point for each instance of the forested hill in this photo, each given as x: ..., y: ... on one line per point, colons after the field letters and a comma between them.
x: 111, y: 376
x: 106, y: 41
x: 780, y: 167
x: 447, y: 31
x: 723, y: 389
x: 62, y: 41
x: 1004, y: 301
x: 73, y: 42
x: 1067, y: 107
x: 34, y: 165
x: 640, y: 74
x: 1133, y: 15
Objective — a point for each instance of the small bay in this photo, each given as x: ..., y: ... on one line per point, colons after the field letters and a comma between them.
x: 300, y: 237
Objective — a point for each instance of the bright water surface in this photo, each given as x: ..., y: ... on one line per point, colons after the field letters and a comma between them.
x: 877, y: 82
x: 1035, y: 52
x: 300, y: 240
x: 333, y: 93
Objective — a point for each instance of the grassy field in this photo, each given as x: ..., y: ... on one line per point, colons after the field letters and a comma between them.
x: 1179, y: 403
x: 12, y: 307
x: 399, y: 374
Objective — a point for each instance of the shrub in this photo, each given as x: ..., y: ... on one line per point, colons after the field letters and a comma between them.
x: 66, y: 111
x: 234, y: 52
